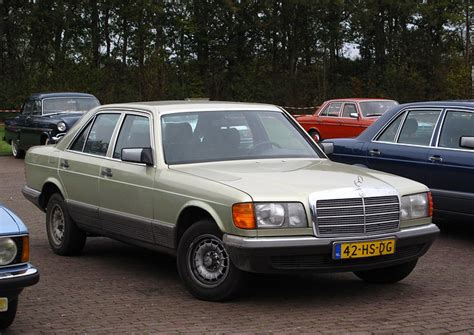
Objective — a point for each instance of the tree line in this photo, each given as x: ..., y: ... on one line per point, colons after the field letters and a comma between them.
x: 287, y: 52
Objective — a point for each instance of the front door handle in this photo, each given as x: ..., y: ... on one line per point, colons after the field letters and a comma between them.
x: 64, y: 163
x: 374, y: 152
x: 436, y: 159
x: 106, y: 172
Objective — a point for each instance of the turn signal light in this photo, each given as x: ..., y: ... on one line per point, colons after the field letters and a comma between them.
x: 25, y: 254
x: 430, y: 204
x: 243, y: 215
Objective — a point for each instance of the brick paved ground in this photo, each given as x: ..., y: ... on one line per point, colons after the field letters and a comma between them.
x: 117, y: 288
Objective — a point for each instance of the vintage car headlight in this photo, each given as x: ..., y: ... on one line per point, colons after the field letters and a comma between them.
x: 61, y: 126
x: 416, y: 206
x: 8, y: 250
x: 280, y: 215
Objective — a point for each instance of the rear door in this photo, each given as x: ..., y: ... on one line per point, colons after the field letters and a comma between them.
x: 403, y: 146
x: 79, y: 168
x: 350, y: 122
x: 126, y: 189
x: 451, y: 173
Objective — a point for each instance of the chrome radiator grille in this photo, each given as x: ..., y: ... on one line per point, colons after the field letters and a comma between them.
x: 354, y: 216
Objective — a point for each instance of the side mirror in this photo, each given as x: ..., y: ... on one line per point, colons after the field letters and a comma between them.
x: 466, y: 142
x: 138, y: 155
x: 328, y: 147
x: 354, y: 115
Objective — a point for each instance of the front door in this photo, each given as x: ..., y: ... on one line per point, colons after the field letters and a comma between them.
x: 126, y: 189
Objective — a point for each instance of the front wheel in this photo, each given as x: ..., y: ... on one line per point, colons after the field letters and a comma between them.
x: 6, y: 318
x: 204, y: 264
x: 64, y: 237
x: 387, y: 275
x: 16, y: 151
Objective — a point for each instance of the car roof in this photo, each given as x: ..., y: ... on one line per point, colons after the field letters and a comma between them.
x: 359, y: 99
x: 173, y: 106
x: 60, y: 95
x: 443, y: 103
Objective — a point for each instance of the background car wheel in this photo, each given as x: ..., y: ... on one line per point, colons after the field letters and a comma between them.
x: 315, y: 136
x: 16, y: 152
x: 204, y: 264
x: 65, y: 238
x: 387, y: 275
x: 6, y: 318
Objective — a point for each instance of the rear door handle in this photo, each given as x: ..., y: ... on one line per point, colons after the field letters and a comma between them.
x: 64, y: 163
x: 436, y: 159
x: 106, y: 172
x: 374, y: 152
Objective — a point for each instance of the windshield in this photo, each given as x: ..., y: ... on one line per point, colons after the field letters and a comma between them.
x: 231, y: 135
x: 376, y: 108
x: 68, y: 105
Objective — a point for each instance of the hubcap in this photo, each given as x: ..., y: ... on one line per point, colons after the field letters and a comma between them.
x: 14, y: 148
x: 57, y: 225
x: 208, y: 261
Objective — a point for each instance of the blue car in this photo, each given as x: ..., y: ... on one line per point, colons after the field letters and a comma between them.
x: 15, y: 271
x: 430, y: 142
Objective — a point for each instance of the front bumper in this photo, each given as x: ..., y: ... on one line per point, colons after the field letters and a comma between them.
x: 309, y: 253
x: 14, y: 279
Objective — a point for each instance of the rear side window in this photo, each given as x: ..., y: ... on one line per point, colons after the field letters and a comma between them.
x: 455, y: 126
x: 78, y: 144
x: 100, y: 134
x: 390, y: 133
x: 135, y: 133
x: 332, y: 110
x: 418, y: 127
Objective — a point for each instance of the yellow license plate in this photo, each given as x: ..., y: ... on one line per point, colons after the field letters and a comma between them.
x: 3, y: 304
x: 348, y: 250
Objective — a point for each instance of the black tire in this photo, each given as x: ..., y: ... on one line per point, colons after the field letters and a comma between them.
x: 64, y: 237
x: 6, y: 318
x: 315, y: 136
x: 218, y: 280
x: 16, y: 151
x: 387, y: 275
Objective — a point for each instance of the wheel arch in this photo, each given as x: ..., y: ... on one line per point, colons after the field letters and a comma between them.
x: 50, y: 187
x: 192, y: 212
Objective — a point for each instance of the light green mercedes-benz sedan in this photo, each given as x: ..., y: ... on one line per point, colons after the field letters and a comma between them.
x: 229, y: 188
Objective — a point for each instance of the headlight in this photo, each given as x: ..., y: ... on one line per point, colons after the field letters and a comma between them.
x: 61, y: 126
x: 280, y: 215
x: 8, y: 250
x: 416, y: 206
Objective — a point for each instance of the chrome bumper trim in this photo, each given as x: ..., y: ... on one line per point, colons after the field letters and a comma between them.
x: 308, y: 241
x: 17, y: 273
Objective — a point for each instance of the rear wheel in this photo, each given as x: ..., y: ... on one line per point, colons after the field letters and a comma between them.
x: 64, y: 237
x: 387, y: 275
x: 315, y: 135
x: 6, y: 318
x: 16, y: 151
x: 204, y: 263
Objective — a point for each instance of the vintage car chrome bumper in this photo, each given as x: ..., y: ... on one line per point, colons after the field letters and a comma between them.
x: 14, y: 279
x: 287, y: 254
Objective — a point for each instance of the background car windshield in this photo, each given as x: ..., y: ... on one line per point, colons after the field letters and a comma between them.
x: 231, y: 135
x: 376, y: 108
x: 68, y: 105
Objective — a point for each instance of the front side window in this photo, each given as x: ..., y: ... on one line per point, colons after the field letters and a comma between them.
x: 36, y: 107
x: 348, y: 110
x: 135, y: 133
x: 68, y: 105
x: 455, y: 126
x: 418, y: 127
x: 99, y: 137
x: 28, y: 107
x: 332, y: 110
x: 231, y: 135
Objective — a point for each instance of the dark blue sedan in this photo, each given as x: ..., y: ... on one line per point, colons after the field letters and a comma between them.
x: 430, y: 142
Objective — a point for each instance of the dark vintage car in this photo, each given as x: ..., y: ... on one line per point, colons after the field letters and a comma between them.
x: 431, y: 142
x: 344, y: 117
x: 44, y: 118
x: 15, y: 271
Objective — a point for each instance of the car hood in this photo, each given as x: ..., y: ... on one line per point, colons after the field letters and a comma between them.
x: 281, y: 180
x: 69, y: 118
x: 10, y: 223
